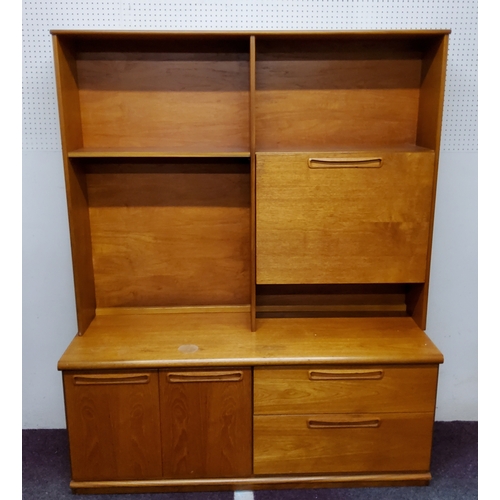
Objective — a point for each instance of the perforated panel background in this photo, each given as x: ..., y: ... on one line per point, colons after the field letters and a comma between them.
x: 40, y: 119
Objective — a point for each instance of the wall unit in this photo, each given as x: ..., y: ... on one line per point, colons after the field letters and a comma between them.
x: 251, y: 223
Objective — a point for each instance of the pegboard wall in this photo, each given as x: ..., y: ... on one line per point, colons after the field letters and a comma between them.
x: 40, y: 118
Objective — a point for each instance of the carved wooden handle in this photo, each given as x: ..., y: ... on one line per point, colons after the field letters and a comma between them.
x: 111, y: 378
x: 212, y: 376
x: 340, y: 424
x: 345, y: 162
x: 346, y: 374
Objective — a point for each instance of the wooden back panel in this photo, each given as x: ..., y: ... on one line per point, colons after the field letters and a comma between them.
x: 315, y: 94
x: 175, y: 100
x: 170, y: 234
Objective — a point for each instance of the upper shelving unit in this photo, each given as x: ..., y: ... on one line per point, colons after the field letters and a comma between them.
x: 183, y: 189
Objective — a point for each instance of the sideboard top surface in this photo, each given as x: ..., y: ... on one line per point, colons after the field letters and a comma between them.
x: 118, y: 341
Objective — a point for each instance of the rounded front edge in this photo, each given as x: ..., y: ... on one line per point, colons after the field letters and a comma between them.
x: 253, y: 483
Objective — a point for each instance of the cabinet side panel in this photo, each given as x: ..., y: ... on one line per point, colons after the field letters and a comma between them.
x: 114, y: 425
x: 429, y: 135
x: 432, y: 95
x: 81, y: 244
x: 206, y: 426
x: 76, y: 189
x: 67, y: 93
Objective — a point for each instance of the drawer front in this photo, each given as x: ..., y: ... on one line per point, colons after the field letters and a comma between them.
x: 342, y: 443
x: 327, y: 389
x: 343, y: 218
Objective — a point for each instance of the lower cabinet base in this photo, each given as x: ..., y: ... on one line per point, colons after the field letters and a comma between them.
x: 253, y: 483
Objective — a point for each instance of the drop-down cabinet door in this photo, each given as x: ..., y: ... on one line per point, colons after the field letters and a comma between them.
x: 349, y: 217
x: 206, y: 423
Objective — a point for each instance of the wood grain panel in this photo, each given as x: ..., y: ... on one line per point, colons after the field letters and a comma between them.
x: 166, y: 102
x: 256, y: 483
x: 317, y: 94
x: 344, y: 389
x: 206, y: 423
x: 253, y: 174
x: 113, y: 421
x: 171, y: 235
x: 343, y: 225
x: 76, y: 188
x: 224, y: 339
x: 393, y: 442
x: 429, y: 135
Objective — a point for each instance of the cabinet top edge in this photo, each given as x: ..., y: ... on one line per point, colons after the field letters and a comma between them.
x: 240, y: 34
x: 224, y: 339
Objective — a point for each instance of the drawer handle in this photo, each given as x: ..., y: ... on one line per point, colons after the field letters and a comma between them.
x: 181, y: 377
x: 346, y: 374
x: 110, y: 378
x: 345, y: 162
x: 334, y: 424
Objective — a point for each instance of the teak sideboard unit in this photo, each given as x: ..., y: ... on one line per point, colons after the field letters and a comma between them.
x: 251, y: 220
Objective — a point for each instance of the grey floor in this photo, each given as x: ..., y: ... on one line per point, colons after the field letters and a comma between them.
x: 454, y: 468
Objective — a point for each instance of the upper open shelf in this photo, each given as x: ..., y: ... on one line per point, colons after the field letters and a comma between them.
x: 318, y: 93
x: 170, y: 95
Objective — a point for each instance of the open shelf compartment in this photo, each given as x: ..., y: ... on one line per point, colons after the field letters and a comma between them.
x: 174, y: 93
x: 162, y: 233
x: 318, y: 92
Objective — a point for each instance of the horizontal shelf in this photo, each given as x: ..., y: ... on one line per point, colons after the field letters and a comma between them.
x: 345, y: 148
x: 127, y: 341
x: 152, y: 153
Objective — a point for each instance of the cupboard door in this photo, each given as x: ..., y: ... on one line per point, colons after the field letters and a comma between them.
x: 206, y: 423
x: 113, y: 422
x: 359, y: 217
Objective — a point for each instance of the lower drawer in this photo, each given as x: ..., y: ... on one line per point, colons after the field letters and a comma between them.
x: 391, y: 442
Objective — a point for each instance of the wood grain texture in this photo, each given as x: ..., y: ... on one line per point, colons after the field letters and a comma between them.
x: 343, y: 225
x: 153, y: 340
x: 170, y: 234
x: 113, y: 427
x: 320, y: 93
x: 166, y: 100
x: 349, y: 389
x: 206, y: 425
x: 193, y: 152
x: 253, y: 175
x: 335, y: 300
x: 429, y: 134
x: 286, y: 445
x: 76, y: 189
x: 255, y: 483
x: 189, y: 215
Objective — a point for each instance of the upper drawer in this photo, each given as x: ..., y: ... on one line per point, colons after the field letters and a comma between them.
x: 359, y: 389
x: 343, y: 217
